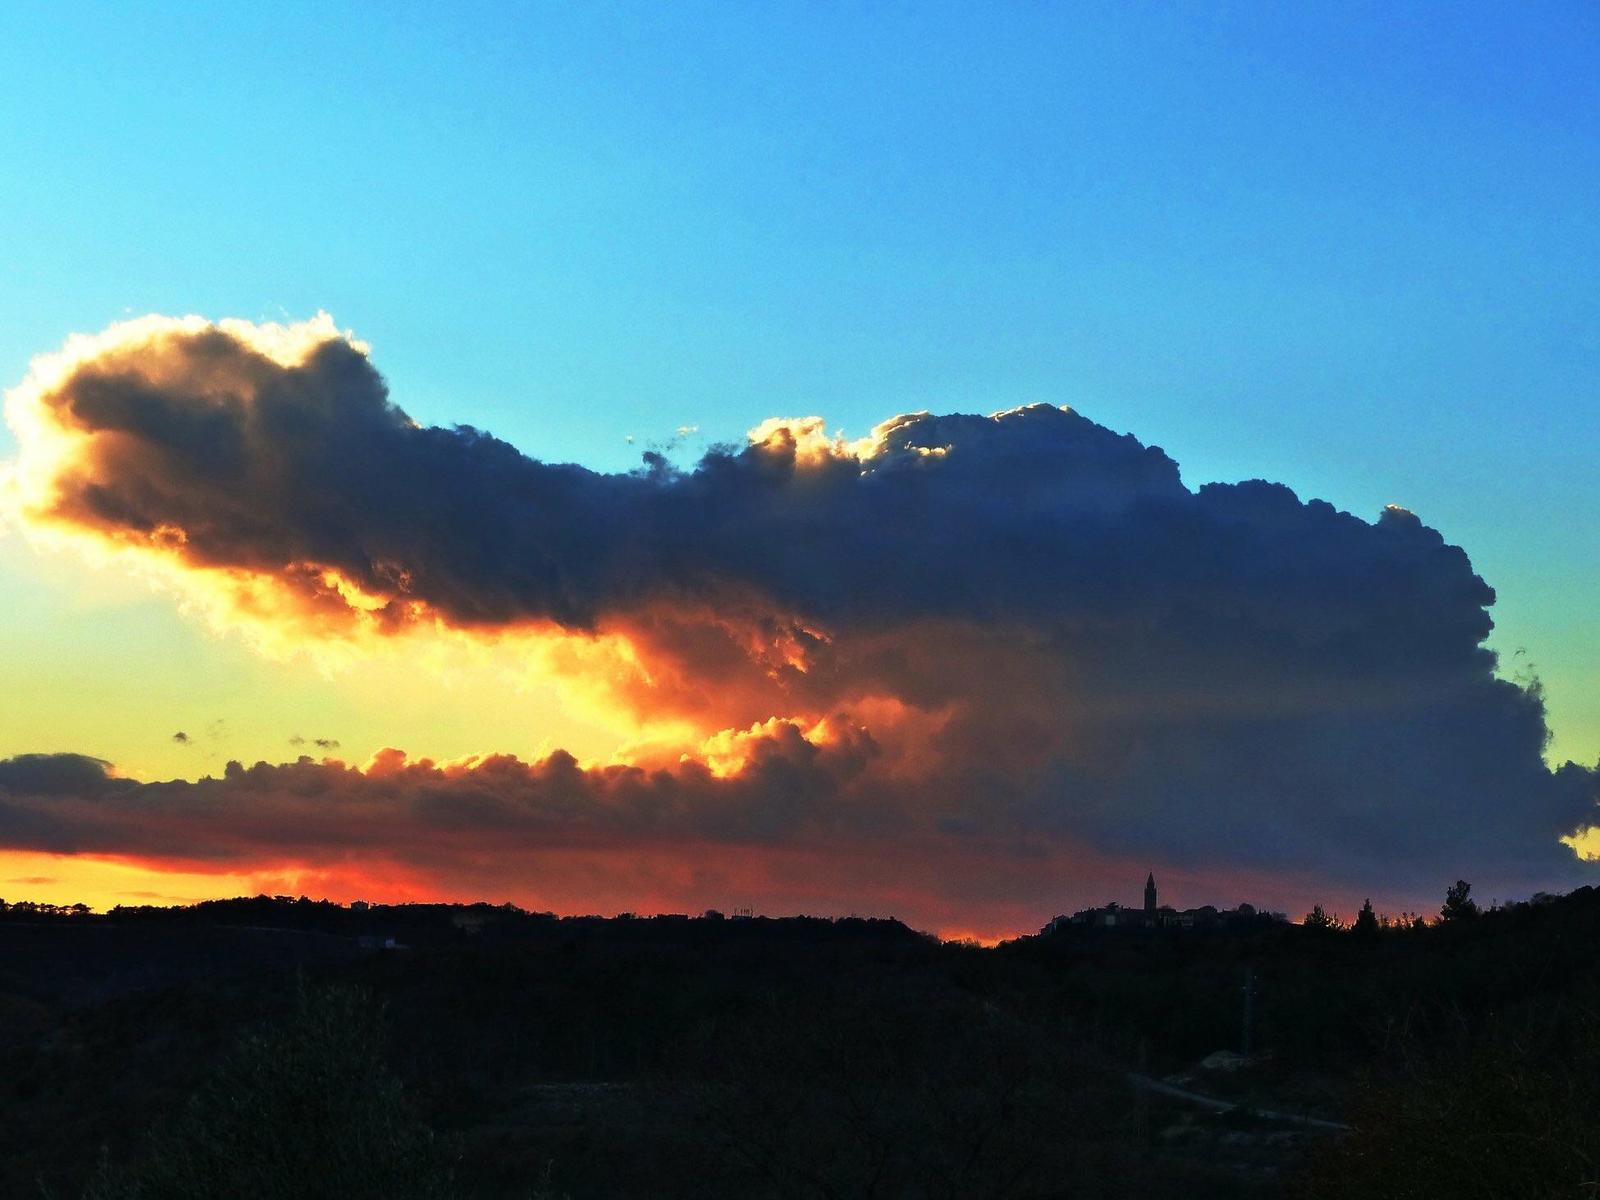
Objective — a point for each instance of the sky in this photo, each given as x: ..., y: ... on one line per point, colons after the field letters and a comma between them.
x: 1348, y: 249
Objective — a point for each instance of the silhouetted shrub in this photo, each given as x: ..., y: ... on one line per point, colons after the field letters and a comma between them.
x: 1500, y: 1116
x: 301, y: 1110
x: 881, y: 1091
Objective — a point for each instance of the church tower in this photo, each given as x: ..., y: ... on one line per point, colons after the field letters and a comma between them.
x: 1150, y: 895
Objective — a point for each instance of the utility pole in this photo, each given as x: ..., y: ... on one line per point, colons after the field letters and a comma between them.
x: 1249, y: 1008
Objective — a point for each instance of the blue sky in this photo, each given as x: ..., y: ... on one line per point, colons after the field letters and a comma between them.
x: 1351, y: 248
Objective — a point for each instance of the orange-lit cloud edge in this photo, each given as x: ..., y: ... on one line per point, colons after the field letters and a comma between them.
x: 640, y: 671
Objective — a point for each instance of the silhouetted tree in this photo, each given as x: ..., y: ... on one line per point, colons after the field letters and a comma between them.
x: 1458, y: 903
x: 1366, y: 925
x: 1318, y: 919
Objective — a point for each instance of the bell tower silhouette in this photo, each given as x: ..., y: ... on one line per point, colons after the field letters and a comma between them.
x: 1150, y: 894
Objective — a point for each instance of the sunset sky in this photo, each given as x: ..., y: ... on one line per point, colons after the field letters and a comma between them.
x: 505, y: 435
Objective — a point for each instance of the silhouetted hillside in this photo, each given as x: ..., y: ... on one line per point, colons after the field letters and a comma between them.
x: 706, y: 1057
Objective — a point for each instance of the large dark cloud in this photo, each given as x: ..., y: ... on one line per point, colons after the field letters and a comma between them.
x: 1033, y: 614
x: 1039, y: 514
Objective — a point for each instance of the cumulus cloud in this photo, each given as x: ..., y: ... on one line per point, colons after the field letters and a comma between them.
x: 787, y: 782
x: 1038, y: 628
x: 54, y: 775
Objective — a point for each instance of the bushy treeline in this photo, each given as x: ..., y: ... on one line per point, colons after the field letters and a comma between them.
x: 1325, y: 995
x: 1482, y: 1079
x: 22, y: 910
x: 704, y: 1059
x: 436, y: 924
x: 707, y: 1058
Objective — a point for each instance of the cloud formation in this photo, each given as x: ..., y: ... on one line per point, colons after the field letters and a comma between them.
x: 418, y: 810
x: 1019, y: 628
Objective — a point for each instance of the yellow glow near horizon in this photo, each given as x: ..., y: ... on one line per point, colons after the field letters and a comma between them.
x: 97, y: 663
x: 338, y: 665
x: 105, y: 883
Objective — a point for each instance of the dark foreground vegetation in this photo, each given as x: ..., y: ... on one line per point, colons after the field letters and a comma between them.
x: 285, y: 1048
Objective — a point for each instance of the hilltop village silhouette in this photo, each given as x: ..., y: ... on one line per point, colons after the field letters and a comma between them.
x: 1160, y: 916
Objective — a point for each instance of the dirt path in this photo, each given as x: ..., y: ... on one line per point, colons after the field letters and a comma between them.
x: 1218, y: 1105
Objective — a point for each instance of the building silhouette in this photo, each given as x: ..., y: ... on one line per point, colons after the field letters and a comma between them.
x: 1155, y: 915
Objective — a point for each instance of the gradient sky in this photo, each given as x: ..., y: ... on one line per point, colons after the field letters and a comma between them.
x: 1351, y: 248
